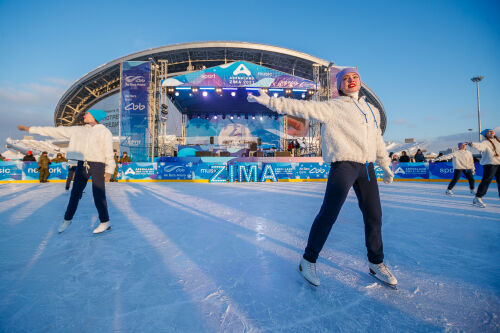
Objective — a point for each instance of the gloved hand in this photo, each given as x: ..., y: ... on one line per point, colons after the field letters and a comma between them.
x: 263, y: 98
x: 388, y: 175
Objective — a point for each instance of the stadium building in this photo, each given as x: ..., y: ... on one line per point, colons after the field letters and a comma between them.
x: 181, y: 114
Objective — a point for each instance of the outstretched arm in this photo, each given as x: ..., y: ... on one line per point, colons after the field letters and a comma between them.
x: 304, y: 109
x: 478, y: 145
x: 61, y: 132
x: 444, y: 157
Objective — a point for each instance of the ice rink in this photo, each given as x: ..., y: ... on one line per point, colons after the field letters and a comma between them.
x: 196, y: 257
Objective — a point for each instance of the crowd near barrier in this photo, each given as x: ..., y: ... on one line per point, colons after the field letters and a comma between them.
x: 231, y: 169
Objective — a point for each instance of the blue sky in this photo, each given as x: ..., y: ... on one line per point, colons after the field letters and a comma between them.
x: 418, y: 56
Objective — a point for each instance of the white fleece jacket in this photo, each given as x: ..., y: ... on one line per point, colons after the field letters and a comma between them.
x: 351, y: 131
x: 86, y: 143
x: 487, y: 152
x: 462, y: 159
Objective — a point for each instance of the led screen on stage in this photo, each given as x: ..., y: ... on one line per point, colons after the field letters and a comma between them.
x: 235, y: 133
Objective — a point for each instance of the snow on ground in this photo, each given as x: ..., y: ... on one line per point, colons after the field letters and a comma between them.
x: 195, y: 257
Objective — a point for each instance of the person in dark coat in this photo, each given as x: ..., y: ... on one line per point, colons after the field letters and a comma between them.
x: 29, y: 157
x: 117, y: 160
x: 125, y: 158
x: 419, y: 157
x: 59, y: 159
x: 43, y: 167
x: 404, y: 157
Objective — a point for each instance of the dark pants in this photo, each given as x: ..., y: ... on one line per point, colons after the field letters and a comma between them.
x: 489, y: 171
x: 456, y: 176
x: 343, y: 176
x: 71, y: 174
x: 82, y: 175
x: 43, y: 174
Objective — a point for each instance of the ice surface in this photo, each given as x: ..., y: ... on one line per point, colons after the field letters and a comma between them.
x: 195, y: 257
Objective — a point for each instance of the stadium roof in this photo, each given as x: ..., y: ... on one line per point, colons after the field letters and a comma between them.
x: 183, y: 58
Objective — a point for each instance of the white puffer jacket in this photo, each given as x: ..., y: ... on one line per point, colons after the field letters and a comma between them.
x: 487, y: 152
x: 351, y: 131
x: 86, y: 143
x: 462, y: 159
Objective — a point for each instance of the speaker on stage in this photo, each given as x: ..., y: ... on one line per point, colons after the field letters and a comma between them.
x: 211, y: 140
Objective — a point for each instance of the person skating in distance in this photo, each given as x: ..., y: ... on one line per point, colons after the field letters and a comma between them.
x: 462, y: 162
x: 92, y: 146
x: 351, y: 141
x: 490, y: 160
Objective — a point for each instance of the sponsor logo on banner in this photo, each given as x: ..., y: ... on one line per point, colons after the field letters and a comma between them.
x: 399, y: 171
x: 133, y: 81
x: 135, y: 107
x: 241, y: 69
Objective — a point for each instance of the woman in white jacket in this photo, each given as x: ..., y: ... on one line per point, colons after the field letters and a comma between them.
x: 490, y: 160
x: 92, y: 146
x: 351, y: 142
x: 462, y: 162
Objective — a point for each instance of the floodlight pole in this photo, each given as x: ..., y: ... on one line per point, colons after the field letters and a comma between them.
x: 477, y: 79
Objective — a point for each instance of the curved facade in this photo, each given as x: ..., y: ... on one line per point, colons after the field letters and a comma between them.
x: 104, y: 81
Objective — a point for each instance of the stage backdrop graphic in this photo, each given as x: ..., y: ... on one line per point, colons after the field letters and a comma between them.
x: 135, y: 80
x: 240, y: 74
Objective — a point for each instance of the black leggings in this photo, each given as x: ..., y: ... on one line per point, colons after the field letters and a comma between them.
x: 456, y: 176
x: 82, y: 175
x: 343, y: 176
x: 489, y: 171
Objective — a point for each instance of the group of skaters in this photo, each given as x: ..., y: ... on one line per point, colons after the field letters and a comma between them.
x: 351, y: 141
x: 463, y: 163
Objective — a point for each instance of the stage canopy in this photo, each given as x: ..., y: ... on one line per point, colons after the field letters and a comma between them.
x: 223, y: 89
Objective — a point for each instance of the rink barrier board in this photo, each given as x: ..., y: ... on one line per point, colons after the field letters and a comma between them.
x: 230, y: 169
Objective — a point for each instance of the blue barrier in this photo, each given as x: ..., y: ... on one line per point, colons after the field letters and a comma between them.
x: 230, y: 169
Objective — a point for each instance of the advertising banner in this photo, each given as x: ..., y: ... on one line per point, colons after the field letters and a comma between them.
x: 138, y: 171
x: 135, y: 81
x: 231, y: 169
x: 239, y: 74
x: 410, y: 170
x: 10, y: 171
x: 56, y: 171
x: 176, y: 170
x: 312, y: 170
x: 444, y: 170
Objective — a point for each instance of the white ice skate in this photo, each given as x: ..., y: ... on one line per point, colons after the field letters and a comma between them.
x: 382, y: 273
x: 308, y: 271
x: 64, y: 224
x: 449, y: 192
x: 102, y: 227
x: 478, y: 202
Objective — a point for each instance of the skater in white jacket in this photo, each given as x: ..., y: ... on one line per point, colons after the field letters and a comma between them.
x: 92, y: 146
x: 351, y: 142
x: 490, y: 160
x: 462, y: 162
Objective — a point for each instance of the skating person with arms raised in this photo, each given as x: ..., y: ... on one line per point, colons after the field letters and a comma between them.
x: 351, y: 142
x: 92, y: 146
x: 462, y: 162
x: 490, y: 160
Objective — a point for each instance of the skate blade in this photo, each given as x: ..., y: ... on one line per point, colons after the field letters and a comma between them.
x: 477, y: 205
x: 391, y: 286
